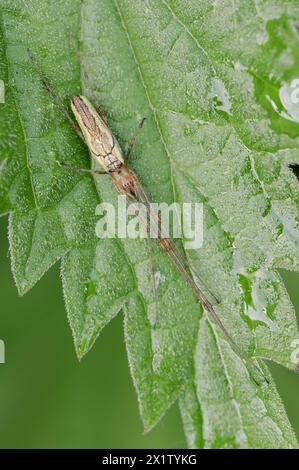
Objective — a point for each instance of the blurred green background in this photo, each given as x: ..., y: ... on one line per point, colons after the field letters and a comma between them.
x: 49, y: 400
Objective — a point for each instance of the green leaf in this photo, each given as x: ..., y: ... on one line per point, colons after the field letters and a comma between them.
x: 222, y: 408
x: 209, y: 79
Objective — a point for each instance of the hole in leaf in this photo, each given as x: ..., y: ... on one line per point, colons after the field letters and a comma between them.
x: 295, y: 169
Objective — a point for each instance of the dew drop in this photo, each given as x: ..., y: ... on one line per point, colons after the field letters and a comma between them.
x: 220, y: 96
x: 289, y: 97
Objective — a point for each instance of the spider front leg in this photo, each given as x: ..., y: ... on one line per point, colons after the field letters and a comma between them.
x: 54, y: 95
x: 89, y: 86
